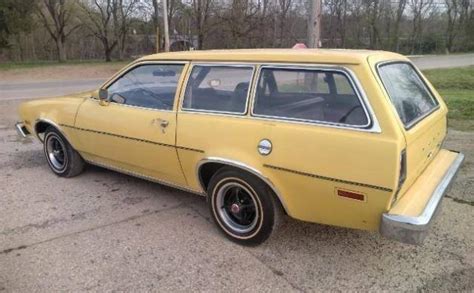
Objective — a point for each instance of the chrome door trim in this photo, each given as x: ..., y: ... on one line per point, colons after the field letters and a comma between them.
x: 218, y: 64
x: 242, y: 166
x: 132, y: 66
x: 372, y: 124
x: 135, y: 64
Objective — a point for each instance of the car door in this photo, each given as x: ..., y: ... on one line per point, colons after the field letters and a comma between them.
x: 135, y: 131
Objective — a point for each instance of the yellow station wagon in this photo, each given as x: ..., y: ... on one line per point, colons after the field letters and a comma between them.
x: 338, y: 137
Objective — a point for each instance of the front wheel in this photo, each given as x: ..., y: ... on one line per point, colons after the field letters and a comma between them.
x: 63, y: 160
x: 243, y: 207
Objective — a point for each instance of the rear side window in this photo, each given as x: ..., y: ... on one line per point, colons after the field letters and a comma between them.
x: 307, y: 94
x: 218, y: 89
x: 407, y: 92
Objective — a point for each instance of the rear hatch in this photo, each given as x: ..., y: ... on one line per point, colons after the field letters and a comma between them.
x: 422, y: 115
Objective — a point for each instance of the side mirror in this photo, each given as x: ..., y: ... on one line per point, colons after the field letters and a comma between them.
x: 103, y: 97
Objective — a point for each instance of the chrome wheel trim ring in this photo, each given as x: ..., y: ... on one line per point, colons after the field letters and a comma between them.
x: 55, y: 150
x: 226, y: 216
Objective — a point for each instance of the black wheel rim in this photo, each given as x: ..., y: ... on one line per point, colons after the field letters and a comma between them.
x: 237, y: 207
x: 56, y: 152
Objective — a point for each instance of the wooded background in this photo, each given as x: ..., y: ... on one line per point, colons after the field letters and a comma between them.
x: 33, y: 30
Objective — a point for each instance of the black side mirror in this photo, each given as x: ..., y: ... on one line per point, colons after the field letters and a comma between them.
x: 103, y: 97
x: 103, y: 94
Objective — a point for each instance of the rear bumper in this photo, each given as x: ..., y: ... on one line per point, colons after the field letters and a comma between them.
x: 21, y: 129
x: 413, y: 229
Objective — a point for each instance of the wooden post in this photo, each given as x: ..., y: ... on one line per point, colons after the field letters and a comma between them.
x: 314, y: 24
x: 165, y: 26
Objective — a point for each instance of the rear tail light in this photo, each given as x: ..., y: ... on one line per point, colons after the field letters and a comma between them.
x: 403, y: 174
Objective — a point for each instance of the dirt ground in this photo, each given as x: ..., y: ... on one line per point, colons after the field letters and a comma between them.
x: 104, y: 231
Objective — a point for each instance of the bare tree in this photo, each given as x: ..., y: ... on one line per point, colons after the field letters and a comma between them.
x: 121, y: 14
x: 56, y: 16
x: 419, y: 9
x: 101, y: 24
x: 201, y: 13
x: 396, y: 25
x: 452, y: 12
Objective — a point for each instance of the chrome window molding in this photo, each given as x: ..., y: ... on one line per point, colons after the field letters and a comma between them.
x: 218, y: 64
x: 132, y: 66
x: 139, y: 107
x: 372, y: 124
x: 242, y: 166
x: 420, y: 76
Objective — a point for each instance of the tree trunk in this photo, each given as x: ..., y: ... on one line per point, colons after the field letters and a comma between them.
x: 61, y: 50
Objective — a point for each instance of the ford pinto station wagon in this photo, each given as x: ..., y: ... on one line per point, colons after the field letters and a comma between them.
x: 338, y: 137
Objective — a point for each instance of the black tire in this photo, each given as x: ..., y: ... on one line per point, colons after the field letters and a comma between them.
x: 63, y: 160
x: 231, y: 193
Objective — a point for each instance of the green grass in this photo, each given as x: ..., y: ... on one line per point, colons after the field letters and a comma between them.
x: 456, y: 86
x: 36, y: 64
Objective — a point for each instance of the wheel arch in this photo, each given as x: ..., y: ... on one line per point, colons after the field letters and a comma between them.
x: 207, y: 167
x: 42, y: 124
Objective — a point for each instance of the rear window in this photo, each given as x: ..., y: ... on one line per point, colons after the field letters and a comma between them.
x: 218, y: 89
x: 310, y: 95
x: 407, y: 91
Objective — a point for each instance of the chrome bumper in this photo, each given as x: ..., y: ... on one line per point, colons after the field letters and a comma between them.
x: 21, y: 129
x: 413, y: 230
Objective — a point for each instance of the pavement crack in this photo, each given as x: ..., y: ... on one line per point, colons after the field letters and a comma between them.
x: 277, y: 273
x: 8, y: 250
x: 461, y: 201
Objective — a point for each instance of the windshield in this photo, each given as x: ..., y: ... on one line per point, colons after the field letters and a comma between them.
x: 407, y: 91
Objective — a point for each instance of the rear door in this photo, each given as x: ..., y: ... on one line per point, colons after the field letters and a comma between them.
x: 421, y: 113
x: 136, y: 131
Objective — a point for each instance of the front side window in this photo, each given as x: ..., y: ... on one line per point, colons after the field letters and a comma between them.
x: 407, y: 91
x: 150, y: 86
x: 308, y: 94
x: 218, y: 89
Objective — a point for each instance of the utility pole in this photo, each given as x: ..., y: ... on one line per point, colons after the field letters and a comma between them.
x: 314, y: 23
x: 165, y: 26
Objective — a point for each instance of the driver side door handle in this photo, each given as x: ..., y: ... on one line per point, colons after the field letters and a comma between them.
x: 160, y: 122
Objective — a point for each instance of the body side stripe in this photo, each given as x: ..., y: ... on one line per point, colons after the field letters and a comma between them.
x: 131, y: 138
x: 328, y: 178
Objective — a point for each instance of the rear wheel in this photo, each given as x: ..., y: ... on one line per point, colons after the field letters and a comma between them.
x: 63, y: 160
x: 243, y: 206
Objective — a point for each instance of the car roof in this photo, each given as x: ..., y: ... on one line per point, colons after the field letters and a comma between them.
x: 326, y: 56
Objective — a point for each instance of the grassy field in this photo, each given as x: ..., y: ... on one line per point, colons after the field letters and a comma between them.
x: 456, y: 85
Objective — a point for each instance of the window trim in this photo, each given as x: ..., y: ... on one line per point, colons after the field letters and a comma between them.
x: 219, y: 64
x: 420, y: 76
x: 131, y: 67
x: 372, y: 124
